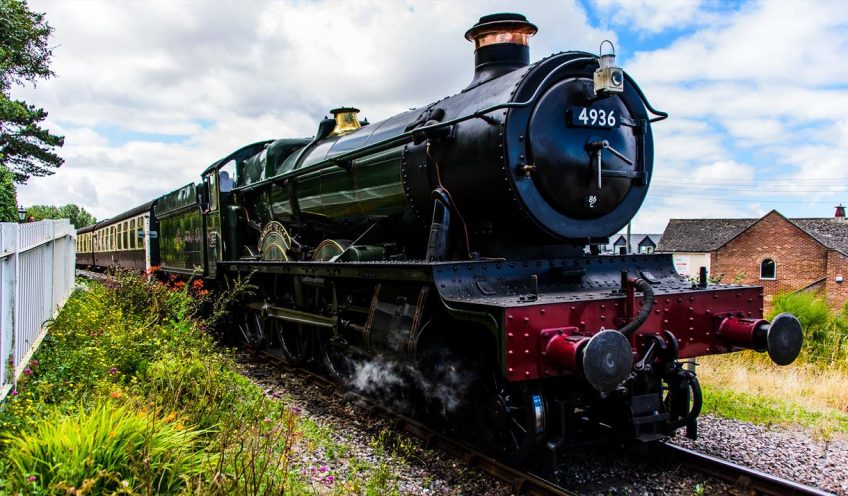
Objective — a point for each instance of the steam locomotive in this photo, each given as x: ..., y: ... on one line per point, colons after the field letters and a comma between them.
x: 457, y: 243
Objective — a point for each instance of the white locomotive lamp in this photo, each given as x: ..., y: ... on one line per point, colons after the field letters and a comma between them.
x: 608, y: 77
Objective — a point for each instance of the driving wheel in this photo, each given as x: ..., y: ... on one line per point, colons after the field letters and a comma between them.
x: 512, y: 418
x: 294, y: 340
x: 335, y: 353
x: 251, y: 329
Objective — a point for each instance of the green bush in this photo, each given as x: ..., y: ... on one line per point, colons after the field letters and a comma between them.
x: 825, y: 330
x: 108, y: 449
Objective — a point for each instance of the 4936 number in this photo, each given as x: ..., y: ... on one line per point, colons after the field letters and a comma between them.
x: 592, y: 117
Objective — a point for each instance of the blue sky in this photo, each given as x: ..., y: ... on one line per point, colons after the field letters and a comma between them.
x: 149, y: 93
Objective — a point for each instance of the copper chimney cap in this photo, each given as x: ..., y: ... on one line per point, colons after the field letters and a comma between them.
x: 501, y: 28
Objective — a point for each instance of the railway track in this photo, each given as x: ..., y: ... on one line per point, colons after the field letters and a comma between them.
x: 745, y: 480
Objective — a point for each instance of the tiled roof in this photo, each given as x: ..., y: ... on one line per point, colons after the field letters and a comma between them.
x: 704, y: 235
x: 829, y: 233
x: 700, y: 235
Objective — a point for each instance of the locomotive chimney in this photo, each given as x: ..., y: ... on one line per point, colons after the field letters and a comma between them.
x: 839, y: 216
x: 347, y: 120
x: 501, y: 45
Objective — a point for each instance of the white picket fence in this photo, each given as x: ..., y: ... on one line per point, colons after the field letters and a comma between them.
x: 36, y: 276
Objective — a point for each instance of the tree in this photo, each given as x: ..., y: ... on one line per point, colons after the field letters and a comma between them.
x: 79, y: 216
x: 8, y: 196
x: 26, y: 148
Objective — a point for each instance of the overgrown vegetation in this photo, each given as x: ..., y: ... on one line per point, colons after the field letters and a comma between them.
x: 810, y: 393
x: 129, y: 393
x: 825, y: 330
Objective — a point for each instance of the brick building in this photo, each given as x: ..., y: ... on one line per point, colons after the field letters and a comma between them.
x: 780, y: 254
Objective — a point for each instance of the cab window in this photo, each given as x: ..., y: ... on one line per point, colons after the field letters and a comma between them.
x: 213, y: 191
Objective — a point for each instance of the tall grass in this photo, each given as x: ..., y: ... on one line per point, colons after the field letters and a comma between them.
x: 825, y: 329
x: 109, y: 448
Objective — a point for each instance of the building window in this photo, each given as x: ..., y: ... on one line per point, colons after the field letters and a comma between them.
x: 622, y: 250
x: 646, y: 249
x: 768, y: 269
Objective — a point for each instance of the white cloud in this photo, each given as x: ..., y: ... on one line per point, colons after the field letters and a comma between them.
x: 764, y: 43
x: 652, y: 16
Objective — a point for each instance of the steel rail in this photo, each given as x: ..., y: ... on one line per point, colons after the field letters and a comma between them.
x: 746, y: 479
x: 520, y: 482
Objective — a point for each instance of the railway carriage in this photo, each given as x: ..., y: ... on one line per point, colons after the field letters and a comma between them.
x: 124, y: 240
x: 455, y: 245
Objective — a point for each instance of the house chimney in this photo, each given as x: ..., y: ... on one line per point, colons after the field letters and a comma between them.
x: 839, y: 216
x: 501, y: 45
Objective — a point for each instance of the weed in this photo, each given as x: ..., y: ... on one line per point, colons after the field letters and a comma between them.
x: 109, y: 448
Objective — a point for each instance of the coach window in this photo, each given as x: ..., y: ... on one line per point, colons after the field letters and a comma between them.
x: 126, y: 235
x: 132, y: 234
x: 768, y: 269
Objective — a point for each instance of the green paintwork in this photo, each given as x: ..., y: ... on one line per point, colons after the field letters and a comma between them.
x: 373, y: 187
x: 181, y: 240
x: 179, y: 198
x: 268, y: 163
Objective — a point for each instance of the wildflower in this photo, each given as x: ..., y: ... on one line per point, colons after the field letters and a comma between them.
x: 27, y: 371
x: 329, y: 480
x: 267, y: 419
x: 33, y: 363
x: 322, y: 469
x: 32, y: 478
x: 15, y: 392
x: 179, y: 426
x: 113, y: 371
x: 295, y: 410
x: 171, y: 416
x: 112, y: 434
x: 197, y: 284
x: 116, y: 394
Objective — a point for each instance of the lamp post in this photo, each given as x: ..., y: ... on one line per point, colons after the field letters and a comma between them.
x: 21, y: 213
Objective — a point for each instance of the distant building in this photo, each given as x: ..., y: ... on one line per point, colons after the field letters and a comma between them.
x: 691, y: 241
x: 639, y: 243
x: 778, y: 253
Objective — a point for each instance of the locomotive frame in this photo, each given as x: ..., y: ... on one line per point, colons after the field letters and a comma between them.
x: 449, y: 242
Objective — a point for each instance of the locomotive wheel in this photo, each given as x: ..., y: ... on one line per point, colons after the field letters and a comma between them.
x: 512, y: 419
x: 335, y: 353
x: 293, y: 339
x: 251, y: 329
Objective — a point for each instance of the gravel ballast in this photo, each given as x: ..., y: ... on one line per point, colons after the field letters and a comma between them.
x: 788, y: 453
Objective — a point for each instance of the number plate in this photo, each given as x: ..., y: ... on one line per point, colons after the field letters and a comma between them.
x: 593, y: 117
